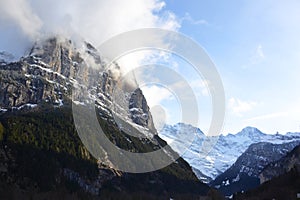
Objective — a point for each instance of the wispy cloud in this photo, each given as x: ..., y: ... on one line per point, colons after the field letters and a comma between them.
x: 239, y: 107
x: 155, y: 97
x: 268, y: 116
x: 258, y: 55
x: 21, y: 14
x: 291, y: 111
x: 259, y: 52
x: 187, y: 17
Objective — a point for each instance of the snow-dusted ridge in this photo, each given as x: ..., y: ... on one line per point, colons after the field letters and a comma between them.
x: 225, y: 151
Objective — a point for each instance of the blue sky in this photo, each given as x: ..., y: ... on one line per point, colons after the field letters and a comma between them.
x: 254, y: 44
x: 256, y: 48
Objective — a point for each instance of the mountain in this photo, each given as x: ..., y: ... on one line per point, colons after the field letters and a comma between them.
x: 281, y: 166
x: 244, y: 173
x: 44, y: 75
x: 224, y: 150
x: 42, y: 156
x: 280, y: 179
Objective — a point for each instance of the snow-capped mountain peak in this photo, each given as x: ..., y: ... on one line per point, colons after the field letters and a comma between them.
x: 248, y: 134
x: 225, y: 151
x: 250, y: 131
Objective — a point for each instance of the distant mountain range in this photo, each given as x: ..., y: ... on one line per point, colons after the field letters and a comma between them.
x: 226, y: 148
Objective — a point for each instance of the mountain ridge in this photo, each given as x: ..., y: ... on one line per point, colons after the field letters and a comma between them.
x: 281, y: 166
x: 279, y: 179
x: 226, y: 150
x: 244, y: 174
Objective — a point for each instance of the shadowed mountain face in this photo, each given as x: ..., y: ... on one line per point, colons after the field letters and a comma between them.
x: 244, y: 173
x: 282, y: 166
x: 280, y: 179
x: 139, y: 110
x: 41, y: 153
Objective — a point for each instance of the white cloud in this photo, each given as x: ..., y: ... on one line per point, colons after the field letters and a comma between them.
x: 20, y: 13
x: 187, y: 17
x: 93, y: 20
x: 159, y: 115
x: 238, y: 107
x: 155, y: 95
x: 140, y: 57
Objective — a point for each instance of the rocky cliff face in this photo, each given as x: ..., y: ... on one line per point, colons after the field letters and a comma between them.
x: 51, y: 70
x: 282, y: 166
x: 44, y: 75
x: 279, y: 180
x: 139, y: 110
